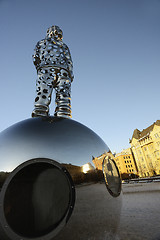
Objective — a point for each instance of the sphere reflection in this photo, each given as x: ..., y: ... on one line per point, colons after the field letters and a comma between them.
x: 47, y: 158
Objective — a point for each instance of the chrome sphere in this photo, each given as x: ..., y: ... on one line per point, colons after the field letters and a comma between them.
x: 52, y: 179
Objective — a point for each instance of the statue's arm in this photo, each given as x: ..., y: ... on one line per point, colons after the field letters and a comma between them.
x: 37, y: 53
x: 69, y: 60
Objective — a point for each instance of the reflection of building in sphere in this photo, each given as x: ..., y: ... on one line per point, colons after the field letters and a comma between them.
x: 98, y: 161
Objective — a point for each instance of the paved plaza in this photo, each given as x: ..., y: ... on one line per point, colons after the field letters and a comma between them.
x: 136, y: 217
x: 140, y: 213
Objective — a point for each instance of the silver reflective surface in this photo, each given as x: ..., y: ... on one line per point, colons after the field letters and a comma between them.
x: 111, y: 176
x: 38, y: 199
x: 63, y: 140
x: 54, y: 66
x: 45, y: 156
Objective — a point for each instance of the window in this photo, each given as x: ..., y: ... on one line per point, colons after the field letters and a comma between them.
x: 130, y: 170
x: 124, y: 157
x: 125, y: 161
x: 156, y: 135
x: 126, y: 166
x: 131, y: 165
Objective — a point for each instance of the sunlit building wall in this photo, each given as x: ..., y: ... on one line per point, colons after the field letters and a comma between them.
x: 98, y: 161
x: 145, y: 145
x: 125, y: 162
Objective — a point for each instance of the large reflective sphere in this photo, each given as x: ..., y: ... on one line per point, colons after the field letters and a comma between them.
x: 51, y: 188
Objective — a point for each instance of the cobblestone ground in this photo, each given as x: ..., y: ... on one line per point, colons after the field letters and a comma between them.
x: 140, y: 214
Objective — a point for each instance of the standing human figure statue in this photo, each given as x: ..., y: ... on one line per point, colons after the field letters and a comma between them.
x: 53, y: 62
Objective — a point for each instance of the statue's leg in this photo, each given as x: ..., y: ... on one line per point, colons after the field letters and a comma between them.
x: 63, y: 95
x: 44, y: 88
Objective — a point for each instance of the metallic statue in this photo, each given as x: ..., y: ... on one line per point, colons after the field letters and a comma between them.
x: 53, y: 62
x: 49, y: 187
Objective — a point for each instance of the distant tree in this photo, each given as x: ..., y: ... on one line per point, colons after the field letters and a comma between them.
x: 126, y: 176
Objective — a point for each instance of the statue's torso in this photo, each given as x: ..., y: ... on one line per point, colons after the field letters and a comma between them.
x: 53, y: 53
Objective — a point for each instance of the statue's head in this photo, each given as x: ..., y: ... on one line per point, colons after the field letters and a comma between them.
x: 55, y: 32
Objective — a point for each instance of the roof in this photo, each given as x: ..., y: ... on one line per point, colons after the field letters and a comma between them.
x: 140, y: 134
x: 136, y: 134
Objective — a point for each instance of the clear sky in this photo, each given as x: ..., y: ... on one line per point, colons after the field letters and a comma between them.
x: 115, y: 47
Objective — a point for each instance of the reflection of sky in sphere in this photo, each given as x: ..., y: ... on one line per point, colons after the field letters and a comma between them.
x: 63, y: 140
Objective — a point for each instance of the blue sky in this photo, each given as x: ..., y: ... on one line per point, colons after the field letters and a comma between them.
x: 115, y: 47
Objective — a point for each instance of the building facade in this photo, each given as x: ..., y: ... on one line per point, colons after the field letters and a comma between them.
x: 98, y: 161
x: 145, y: 145
x: 125, y: 162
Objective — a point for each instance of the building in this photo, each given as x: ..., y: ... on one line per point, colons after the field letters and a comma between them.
x: 145, y: 146
x: 98, y: 161
x: 125, y: 162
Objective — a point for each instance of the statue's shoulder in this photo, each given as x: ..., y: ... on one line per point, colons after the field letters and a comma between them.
x: 65, y: 46
x: 41, y: 43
